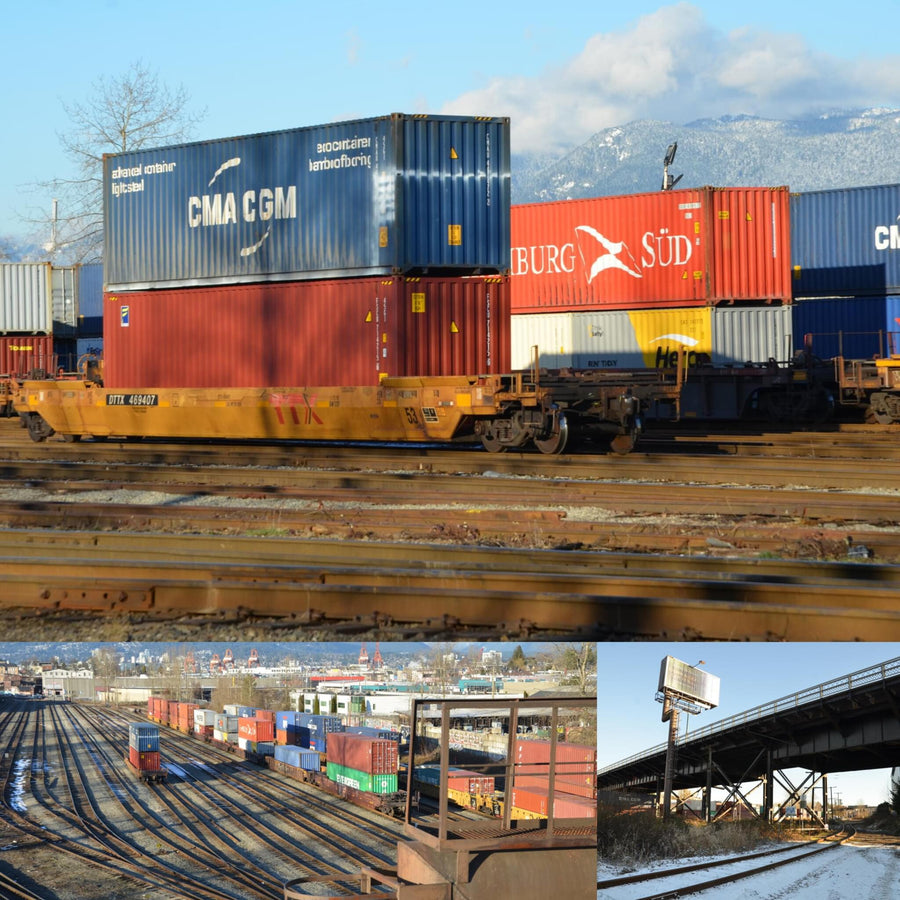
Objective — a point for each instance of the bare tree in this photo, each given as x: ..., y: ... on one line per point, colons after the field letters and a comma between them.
x: 579, y: 663
x: 125, y: 113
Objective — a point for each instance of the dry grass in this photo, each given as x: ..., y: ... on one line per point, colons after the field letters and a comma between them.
x: 632, y: 841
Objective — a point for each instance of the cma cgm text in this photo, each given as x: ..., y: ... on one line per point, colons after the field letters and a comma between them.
x: 262, y: 205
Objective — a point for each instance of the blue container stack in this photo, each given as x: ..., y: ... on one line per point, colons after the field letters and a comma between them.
x: 845, y: 254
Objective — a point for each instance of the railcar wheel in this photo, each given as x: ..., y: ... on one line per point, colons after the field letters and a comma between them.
x: 556, y: 440
x: 38, y: 429
x: 623, y: 444
x: 492, y: 443
x: 71, y: 438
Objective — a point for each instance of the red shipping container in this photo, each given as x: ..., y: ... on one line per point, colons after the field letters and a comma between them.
x: 334, y: 333
x: 695, y: 247
x: 470, y: 782
x: 374, y: 756
x: 20, y: 355
x: 256, y: 730
x: 565, y: 806
x: 575, y: 763
x: 266, y: 715
x: 587, y: 790
x: 146, y: 762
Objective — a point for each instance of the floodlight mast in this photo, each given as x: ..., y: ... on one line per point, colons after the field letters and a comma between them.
x: 668, y: 181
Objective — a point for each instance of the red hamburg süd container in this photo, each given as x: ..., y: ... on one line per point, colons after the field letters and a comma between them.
x: 257, y: 730
x: 697, y: 247
x: 375, y: 756
x: 344, y: 332
x: 19, y: 355
x: 575, y: 763
x: 565, y: 806
x: 146, y: 761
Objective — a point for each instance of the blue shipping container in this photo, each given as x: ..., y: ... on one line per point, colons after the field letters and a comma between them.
x: 90, y: 291
x: 285, y: 719
x: 846, y: 242
x: 144, y: 738
x: 393, y: 194
x: 299, y: 757
x: 852, y: 327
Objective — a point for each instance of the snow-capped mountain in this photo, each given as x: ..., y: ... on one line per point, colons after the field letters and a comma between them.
x: 845, y: 149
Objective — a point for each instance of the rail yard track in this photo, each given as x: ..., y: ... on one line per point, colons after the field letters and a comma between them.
x: 218, y: 828
x: 749, y: 536
x: 687, y: 880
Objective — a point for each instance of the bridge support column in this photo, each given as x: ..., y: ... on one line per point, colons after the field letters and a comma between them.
x: 707, y: 794
x: 769, y: 790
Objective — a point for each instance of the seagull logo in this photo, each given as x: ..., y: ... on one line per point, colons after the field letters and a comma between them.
x: 611, y: 255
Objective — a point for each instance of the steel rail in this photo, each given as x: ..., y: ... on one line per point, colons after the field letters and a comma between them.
x: 697, y: 888
x: 618, y: 881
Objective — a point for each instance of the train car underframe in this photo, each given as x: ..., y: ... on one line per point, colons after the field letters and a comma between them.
x: 502, y: 411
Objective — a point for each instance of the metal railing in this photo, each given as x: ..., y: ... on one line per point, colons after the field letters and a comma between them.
x: 845, y: 683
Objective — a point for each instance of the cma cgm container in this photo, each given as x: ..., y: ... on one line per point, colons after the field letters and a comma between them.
x: 696, y: 247
x: 846, y: 242
x: 346, y: 332
x: 651, y: 338
x: 397, y: 193
x: 26, y: 298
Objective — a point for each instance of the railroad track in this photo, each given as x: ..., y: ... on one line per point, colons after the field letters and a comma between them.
x: 220, y: 829
x: 393, y: 547
x: 332, y: 587
x: 748, y: 865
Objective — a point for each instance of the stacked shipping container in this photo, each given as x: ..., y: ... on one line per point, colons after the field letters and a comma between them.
x: 845, y: 254
x: 574, y: 779
x: 582, y: 270
x: 287, y: 258
x: 143, y: 747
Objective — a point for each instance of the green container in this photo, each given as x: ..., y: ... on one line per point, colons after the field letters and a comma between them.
x: 362, y: 781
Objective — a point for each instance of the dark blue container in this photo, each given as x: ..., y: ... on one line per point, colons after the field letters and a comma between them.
x: 852, y: 327
x: 846, y: 242
x: 395, y: 194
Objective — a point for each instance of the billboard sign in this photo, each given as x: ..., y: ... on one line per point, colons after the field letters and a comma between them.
x: 689, y: 682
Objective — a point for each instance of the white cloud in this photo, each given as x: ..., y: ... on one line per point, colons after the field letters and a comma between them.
x: 671, y: 65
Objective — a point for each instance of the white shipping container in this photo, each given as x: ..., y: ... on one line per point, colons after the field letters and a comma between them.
x: 637, y: 339
x: 26, y: 298
x: 204, y: 717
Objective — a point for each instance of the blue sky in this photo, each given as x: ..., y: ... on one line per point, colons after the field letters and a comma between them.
x: 560, y: 71
x: 751, y: 675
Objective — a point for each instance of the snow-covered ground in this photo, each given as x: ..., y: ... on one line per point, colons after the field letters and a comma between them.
x: 844, y: 873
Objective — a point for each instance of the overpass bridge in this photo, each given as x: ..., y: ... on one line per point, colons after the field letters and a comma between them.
x: 844, y: 725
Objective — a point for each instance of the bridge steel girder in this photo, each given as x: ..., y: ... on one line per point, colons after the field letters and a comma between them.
x: 854, y: 728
